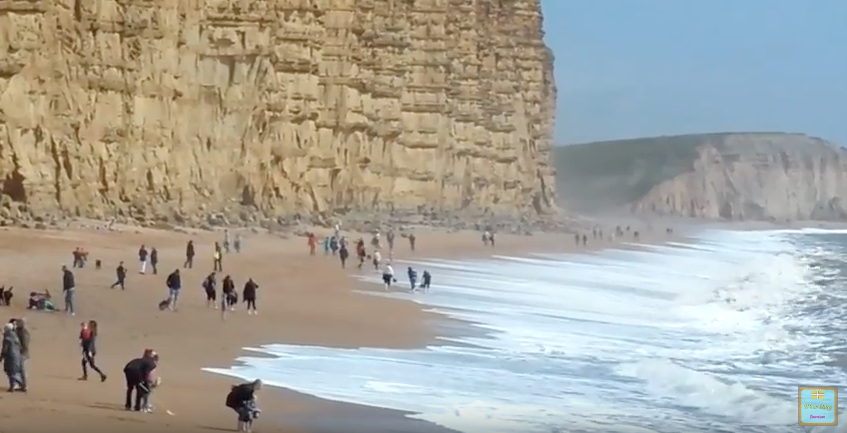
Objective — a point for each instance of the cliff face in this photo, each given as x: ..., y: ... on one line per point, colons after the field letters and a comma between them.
x: 161, y: 107
x: 765, y: 176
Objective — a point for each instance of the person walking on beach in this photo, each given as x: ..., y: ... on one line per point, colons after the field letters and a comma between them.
x: 12, y: 359
x: 388, y: 276
x: 174, y: 283
x: 237, y: 243
x: 312, y: 242
x: 87, y: 341
x: 389, y: 237
x: 413, y: 278
x: 217, y: 258
x: 226, y: 241
x: 242, y: 399
x: 584, y: 240
x: 426, y: 279
x: 228, y: 287
x: 154, y: 260
x: 210, y: 287
x: 343, y: 254
x: 412, y: 240
x: 24, y: 337
x: 361, y: 252
x: 137, y: 373
x: 120, y: 275
x: 249, y: 295
x: 68, y: 288
x: 189, y: 255
x: 142, y: 259
x: 377, y: 258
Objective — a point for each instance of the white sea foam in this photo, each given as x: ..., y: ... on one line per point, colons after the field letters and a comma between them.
x: 701, y: 335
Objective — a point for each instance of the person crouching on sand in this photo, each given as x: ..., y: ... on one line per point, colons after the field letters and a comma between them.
x: 137, y: 372
x: 387, y: 275
x: 210, y: 287
x: 87, y: 340
x: 242, y: 399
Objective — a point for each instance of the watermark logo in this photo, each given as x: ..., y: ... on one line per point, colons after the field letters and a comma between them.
x: 817, y: 405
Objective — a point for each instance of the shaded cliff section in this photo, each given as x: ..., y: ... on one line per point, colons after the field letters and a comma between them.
x: 154, y: 108
x: 734, y: 176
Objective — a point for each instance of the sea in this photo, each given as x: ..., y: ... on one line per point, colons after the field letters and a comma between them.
x: 715, y: 333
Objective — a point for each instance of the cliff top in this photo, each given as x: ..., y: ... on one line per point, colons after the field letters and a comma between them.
x: 606, y: 175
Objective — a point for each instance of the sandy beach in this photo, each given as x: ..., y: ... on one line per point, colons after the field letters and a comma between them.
x: 302, y: 300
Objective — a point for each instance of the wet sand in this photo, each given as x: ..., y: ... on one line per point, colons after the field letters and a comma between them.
x: 302, y: 300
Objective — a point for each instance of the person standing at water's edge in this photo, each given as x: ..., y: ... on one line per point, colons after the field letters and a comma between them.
x: 68, y: 288
x: 87, y: 342
x: 388, y: 275
x: 242, y: 399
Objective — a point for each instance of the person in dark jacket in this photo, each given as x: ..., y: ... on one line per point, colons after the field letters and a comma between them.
x: 87, y: 341
x: 142, y: 259
x: 210, y: 287
x: 154, y: 260
x: 68, y: 288
x: 174, y: 283
x: 426, y: 279
x: 137, y: 373
x: 229, y: 297
x: 249, y: 296
x: 24, y: 338
x: 189, y: 255
x: 343, y: 254
x: 120, y: 274
x: 242, y: 399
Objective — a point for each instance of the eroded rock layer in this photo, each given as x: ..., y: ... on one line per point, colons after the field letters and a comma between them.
x: 162, y: 107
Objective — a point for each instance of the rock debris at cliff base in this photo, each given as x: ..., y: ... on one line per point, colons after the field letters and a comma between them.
x: 153, y: 108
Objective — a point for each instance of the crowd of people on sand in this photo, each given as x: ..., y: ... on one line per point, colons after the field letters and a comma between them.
x: 140, y: 373
x: 338, y: 245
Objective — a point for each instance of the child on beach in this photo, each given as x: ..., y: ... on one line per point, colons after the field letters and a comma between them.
x: 426, y: 279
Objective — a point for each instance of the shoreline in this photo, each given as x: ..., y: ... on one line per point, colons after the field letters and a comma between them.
x: 312, y: 305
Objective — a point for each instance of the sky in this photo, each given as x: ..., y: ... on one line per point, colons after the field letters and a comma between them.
x: 634, y: 68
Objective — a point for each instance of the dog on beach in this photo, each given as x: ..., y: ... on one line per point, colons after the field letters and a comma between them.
x: 6, y: 295
x: 164, y: 305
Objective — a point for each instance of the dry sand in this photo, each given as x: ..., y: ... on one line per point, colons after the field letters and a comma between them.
x: 302, y: 300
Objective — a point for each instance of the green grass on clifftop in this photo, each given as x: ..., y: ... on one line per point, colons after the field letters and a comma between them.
x: 605, y: 175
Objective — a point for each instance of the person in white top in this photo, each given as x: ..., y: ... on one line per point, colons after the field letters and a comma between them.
x: 377, y: 259
x: 388, y: 275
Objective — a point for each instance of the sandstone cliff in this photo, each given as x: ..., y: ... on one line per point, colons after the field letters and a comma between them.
x: 161, y: 107
x: 756, y: 176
